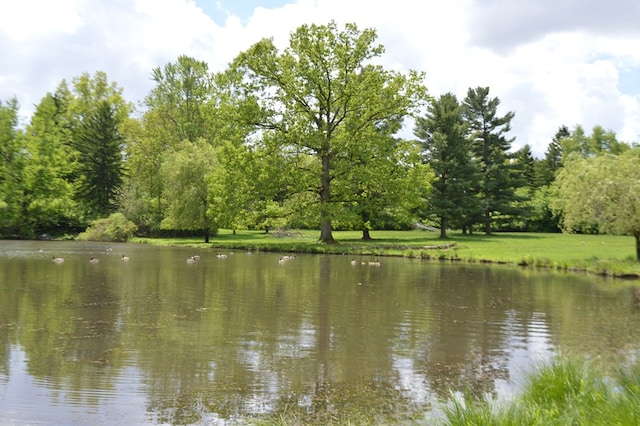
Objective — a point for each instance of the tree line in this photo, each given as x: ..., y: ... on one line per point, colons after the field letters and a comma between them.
x: 304, y: 137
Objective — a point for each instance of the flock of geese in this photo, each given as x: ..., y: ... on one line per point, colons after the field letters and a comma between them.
x: 92, y: 259
x: 370, y: 263
x: 284, y: 259
x: 194, y: 258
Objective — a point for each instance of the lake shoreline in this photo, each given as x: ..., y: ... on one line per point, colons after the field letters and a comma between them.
x: 560, y: 252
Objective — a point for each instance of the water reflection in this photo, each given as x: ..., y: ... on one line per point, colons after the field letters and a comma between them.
x: 159, y: 340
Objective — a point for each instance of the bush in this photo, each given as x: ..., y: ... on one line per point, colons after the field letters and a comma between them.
x: 116, y: 227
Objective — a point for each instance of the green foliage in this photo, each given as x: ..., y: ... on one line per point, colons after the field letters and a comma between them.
x: 116, y: 227
x: 546, y: 169
x: 11, y: 169
x: 566, y: 391
x: 189, y: 200
x: 490, y: 148
x: 601, y: 192
x: 322, y: 98
x: 176, y: 102
x: 100, y: 145
x: 303, y: 137
x: 49, y: 193
x: 447, y: 150
x: 599, y: 142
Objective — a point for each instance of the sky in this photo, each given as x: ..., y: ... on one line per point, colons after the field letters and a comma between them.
x: 551, y: 62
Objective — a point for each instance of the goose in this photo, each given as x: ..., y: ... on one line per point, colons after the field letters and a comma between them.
x: 195, y: 257
x: 221, y: 256
x: 191, y: 260
x: 109, y: 249
x: 94, y: 260
x: 57, y: 259
x: 354, y: 262
x: 282, y: 260
x: 125, y: 258
x: 374, y: 263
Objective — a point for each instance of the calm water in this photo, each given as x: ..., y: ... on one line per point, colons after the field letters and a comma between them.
x: 159, y: 341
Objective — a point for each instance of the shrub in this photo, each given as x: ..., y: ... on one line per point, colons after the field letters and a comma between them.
x: 116, y: 227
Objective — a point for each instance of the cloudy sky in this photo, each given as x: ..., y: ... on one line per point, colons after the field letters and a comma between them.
x: 552, y: 62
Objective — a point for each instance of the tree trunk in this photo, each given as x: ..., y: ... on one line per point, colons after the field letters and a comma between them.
x: 326, y: 234
x: 443, y: 227
x: 637, y: 235
x: 487, y: 222
x: 366, y: 236
x: 206, y: 235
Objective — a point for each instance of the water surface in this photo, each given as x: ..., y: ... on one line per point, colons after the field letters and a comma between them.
x: 157, y: 340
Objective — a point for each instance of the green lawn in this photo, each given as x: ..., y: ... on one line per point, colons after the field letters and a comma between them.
x: 603, y: 254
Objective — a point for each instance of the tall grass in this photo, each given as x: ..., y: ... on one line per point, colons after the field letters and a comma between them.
x: 565, y: 392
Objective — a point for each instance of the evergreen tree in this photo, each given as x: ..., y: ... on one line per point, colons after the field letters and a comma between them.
x: 547, y: 168
x: 101, y: 147
x: 523, y: 173
x: 525, y: 167
x: 490, y: 148
x: 446, y: 149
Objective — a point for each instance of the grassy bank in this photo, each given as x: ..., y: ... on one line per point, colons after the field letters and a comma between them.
x: 566, y: 392
x: 601, y: 254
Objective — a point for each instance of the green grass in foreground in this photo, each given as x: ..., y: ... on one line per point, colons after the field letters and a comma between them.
x: 566, y: 392
x: 601, y: 254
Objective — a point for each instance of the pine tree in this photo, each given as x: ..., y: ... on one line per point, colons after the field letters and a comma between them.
x: 547, y: 167
x: 447, y: 150
x: 100, y: 145
x: 490, y: 148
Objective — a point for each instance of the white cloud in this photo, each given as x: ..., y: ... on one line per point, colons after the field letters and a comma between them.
x: 32, y: 19
x: 561, y: 62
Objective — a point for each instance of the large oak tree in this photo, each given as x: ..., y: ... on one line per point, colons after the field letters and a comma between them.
x: 320, y: 95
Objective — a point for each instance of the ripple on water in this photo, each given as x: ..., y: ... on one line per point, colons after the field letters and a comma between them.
x: 39, y: 400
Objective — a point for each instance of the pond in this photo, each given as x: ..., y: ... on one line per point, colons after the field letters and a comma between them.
x: 247, y: 336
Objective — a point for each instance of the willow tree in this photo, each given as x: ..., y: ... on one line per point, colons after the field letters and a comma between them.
x: 319, y: 95
x: 174, y: 114
x: 185, y: 171
x: 600, y: 193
